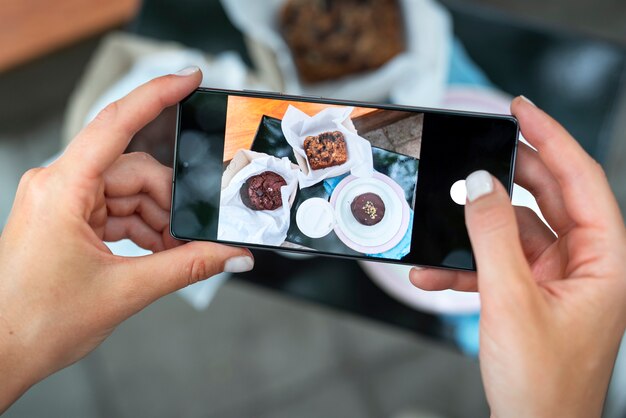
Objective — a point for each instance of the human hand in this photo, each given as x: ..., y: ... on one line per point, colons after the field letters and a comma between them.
x: 62, y: 292
x: 553, y: 306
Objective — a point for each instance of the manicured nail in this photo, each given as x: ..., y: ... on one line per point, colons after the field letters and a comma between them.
x: 238, y: 264
x: 527, y: 100
x: 188, y: 71
x: 478, y: 184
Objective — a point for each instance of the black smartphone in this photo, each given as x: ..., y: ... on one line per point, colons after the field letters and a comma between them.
x: 339, y: 178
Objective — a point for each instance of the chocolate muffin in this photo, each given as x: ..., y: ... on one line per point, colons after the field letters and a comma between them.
x: 262, y: 191
x: 326, y: 150
x: 368, y: 209
x: 330, y: 39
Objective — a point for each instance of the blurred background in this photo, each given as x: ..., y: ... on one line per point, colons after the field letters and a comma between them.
x: 300, y: 338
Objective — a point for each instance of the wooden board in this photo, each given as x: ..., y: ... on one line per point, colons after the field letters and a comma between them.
x: 378, y: 119
x: 244, y: 115
x: 30, y: 28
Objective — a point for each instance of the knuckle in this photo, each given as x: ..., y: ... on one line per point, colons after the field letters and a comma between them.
x: 108, y: 113
x: 36, y: 181
x: 200, y: 268
x: 160, y: 85
x: 149, y: 162
x: 429, y: 285
x: 600, y: 170
x: 141, y: 155
x: 491, y: 218
x: 163, y: 83
x: 36, y: 186
x: 29, y: 175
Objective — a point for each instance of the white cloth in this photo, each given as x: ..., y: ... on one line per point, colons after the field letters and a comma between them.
x: 414, y: 77
x: 238, y: 223
x: 297, y: 125
x: 226, y: 70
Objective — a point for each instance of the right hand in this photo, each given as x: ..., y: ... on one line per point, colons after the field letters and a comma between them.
x: 553, y: 306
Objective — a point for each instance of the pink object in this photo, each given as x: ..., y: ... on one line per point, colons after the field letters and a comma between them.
x: 477, y: 99
x: 403, y: 226
x: 394, y: 280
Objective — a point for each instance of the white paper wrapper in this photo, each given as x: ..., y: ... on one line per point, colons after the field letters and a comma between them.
x: 297, y: 125
x: 268, y: 227
x: 226, y: 70
x: 415, y: 77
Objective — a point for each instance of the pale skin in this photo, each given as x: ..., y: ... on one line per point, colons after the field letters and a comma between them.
x: 553, y: 306
x: 547, y: 344
x: 62, y: 292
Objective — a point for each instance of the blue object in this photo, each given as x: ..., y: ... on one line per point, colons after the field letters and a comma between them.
x: 403, y: 247
x: 463, y: 70
x: 331, y: 183
x: 465, y: 331
x: 396, y: 252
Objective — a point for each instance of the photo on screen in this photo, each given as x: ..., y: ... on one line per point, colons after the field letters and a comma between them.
x: 319, y: 177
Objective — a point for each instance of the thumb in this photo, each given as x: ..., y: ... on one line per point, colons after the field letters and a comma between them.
x: 148, y: 278
x: 492, y: 227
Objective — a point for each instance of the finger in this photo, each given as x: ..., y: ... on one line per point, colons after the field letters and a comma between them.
x: 438, y: 279
x: 145, y: 279
x: 579, y: 176
x: 533, y: 175
x: 136, y: 173
x: 108, y: 135
x: 133, y: 228
x: 493, y: 232
x: 142, y: 205
x: 535, y: 235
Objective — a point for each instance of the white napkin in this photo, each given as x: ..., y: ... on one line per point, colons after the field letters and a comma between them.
x: 297, y: 125
x: 226, y: 70
x: 424, y: 64
x: 238, y: 223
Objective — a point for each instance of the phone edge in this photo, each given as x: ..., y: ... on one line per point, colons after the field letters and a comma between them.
x: 322, y: 100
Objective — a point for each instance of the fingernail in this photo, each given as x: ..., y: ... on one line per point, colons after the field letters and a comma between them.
x: 527, y: 100
x: 188, y: 71
x: 238, y: 264
x: 478, y: 184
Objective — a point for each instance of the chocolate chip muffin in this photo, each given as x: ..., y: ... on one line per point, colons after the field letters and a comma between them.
x: 330, y: 39
x: 262, y: 191
x: 326, y: 150
x: 368, y: 209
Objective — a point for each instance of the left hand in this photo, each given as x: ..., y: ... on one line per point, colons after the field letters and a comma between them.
x: 62, y: 292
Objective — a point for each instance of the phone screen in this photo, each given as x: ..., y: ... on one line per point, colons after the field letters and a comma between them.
x: 348, y: 179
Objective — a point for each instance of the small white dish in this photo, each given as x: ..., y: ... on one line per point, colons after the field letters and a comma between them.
x: 315, y: 217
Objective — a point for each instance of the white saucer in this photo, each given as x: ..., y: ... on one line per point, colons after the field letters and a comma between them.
x: 374, y: 235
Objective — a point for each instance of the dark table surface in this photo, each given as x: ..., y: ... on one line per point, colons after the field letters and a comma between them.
x: 270, y: 140
x: 578, y: 80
